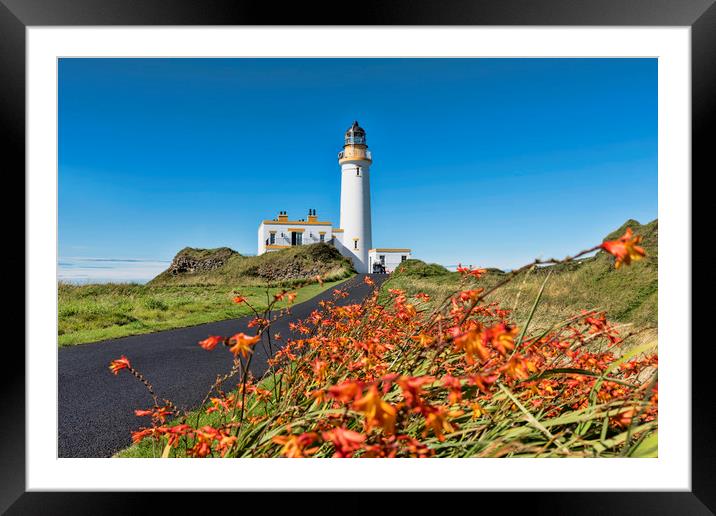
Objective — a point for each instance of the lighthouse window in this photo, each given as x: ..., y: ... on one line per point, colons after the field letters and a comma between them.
x: 355, y: 244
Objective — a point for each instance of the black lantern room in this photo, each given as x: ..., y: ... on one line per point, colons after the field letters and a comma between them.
x: 355, y: 135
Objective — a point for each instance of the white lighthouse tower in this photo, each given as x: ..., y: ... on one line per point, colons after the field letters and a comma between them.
x: 355, y: 160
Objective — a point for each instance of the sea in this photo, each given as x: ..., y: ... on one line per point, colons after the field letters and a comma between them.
x: 85, y: 270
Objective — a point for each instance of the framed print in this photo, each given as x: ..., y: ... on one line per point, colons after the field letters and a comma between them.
x: 428, y: 237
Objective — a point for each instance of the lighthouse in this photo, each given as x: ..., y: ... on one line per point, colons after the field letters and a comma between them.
x: 354, y: 237
x: 355, y: 160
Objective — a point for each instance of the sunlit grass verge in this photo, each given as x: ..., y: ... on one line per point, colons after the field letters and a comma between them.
x: 90, y: 313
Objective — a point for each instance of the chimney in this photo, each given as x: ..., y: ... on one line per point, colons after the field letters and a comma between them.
x: 312, y: 216
x: 282, y: 216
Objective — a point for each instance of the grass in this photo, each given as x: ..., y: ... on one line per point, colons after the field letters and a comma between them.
x: 89, y: 313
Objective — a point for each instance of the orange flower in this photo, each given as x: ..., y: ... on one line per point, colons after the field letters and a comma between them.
x: 346, y: 391
x: 454, y: 387
x: 477, y: 410
x: 412, y: 388
x: 502, y: 337
x: 346, y: 442
x: 472, y: 343
x: 623, y: 419
x: 625, y: 249
x: 204, y: 438
x: 377, y: 412
x: 242, y: 344
x: 319, y: 369
x: 368, y: 281
x: 406, y: 311
x: 297, y: 446
x: 319, y: 279
x: 291, y: 296
x: 258, y: 321
x: 482, y: 382
x: 117, y: 365
x: 414, y: 447
x: 141, y: 434
x: 519, y: 367
x: 423, y: 340
x: 175, y: 433
x: 219, y: 403
x: 436, y: 420
x: 158, y: 414
x: 422, y: 296
x: 597, y: 323
x: 471, y: 295
x: 210, y: 342
x: 239, y: 299
x: 338, y: 293
x: 225, y: 442
x: 467, y: 271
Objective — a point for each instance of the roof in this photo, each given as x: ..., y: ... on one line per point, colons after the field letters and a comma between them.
x: 390, y: 250
x: 355, y: 129
x: 296, y: 223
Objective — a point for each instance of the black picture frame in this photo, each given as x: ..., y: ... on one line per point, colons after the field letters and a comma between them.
x: 17, y: 15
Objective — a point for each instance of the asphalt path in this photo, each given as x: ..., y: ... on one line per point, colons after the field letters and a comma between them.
x: 96, y: 408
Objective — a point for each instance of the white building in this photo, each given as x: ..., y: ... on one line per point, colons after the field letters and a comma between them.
x: 388, y: 258
x: 354, y: 237
x: 281, y: 233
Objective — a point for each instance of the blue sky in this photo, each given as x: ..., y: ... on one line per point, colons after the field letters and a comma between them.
x: 489, y: 162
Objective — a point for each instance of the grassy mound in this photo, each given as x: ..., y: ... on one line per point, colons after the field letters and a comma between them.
x: 288, y: 267
x: 420, y: 269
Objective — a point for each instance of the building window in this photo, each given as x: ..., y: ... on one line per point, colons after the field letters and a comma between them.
x: 296, y: 238
x: 323, y: 237
x: 403, y: 258
x: 382, y: 259
x: 272, y: 238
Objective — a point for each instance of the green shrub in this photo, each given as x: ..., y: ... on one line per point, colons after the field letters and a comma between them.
x: 418, y: 268
x: 155, y: 304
